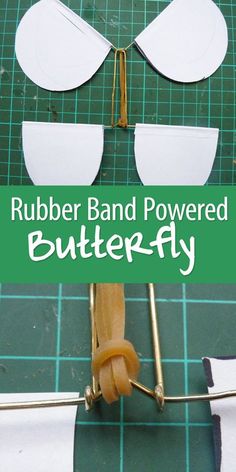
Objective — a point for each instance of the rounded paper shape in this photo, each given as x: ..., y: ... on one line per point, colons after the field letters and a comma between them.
x: 174, y: 155
x: 187, y: 42
x: 62, y: 154
x: 56, y: 49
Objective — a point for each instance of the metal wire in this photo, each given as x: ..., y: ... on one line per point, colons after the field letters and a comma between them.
x: 159, y: 389
x: 93, y: 394
x: 186, y: 398
x: 120, y: 54
x: 42, y: 404
x: 94, y: 340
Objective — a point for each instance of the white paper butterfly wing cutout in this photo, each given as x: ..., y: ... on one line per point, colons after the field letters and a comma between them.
x: 174, y: 155
x: 187, y: 42
x: 62, y: 154
x: 41, y: 440
x: 56, y: 49
x: 221, y: 377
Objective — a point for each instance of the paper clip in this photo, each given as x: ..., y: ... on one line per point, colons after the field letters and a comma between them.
x: 92, y: 393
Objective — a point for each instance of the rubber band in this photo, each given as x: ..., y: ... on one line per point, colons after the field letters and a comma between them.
x: 115, y: 361
x: 123, y: 120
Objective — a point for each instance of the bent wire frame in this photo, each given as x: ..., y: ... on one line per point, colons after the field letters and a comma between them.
x: 92, y: 393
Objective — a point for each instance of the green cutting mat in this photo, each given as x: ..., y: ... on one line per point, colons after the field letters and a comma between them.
x: 45, y: 346
x: 152, y: 98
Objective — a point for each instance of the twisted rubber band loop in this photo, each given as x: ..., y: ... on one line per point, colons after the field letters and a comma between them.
x: 113, y: 348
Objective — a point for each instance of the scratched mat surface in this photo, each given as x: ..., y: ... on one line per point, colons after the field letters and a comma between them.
x: 45, y: 346
x: 152, y: 98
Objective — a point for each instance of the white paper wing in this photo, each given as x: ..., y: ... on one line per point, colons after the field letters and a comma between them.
x: 37, y: 439
x: 221, y: 377
x: 174, y: 155
x: 62, y: 154
x: 187, y: 42
x: 56, y: 49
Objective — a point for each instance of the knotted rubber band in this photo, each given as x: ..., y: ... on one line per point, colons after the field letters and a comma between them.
x: 115, y: 361
x: 114, y: 348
